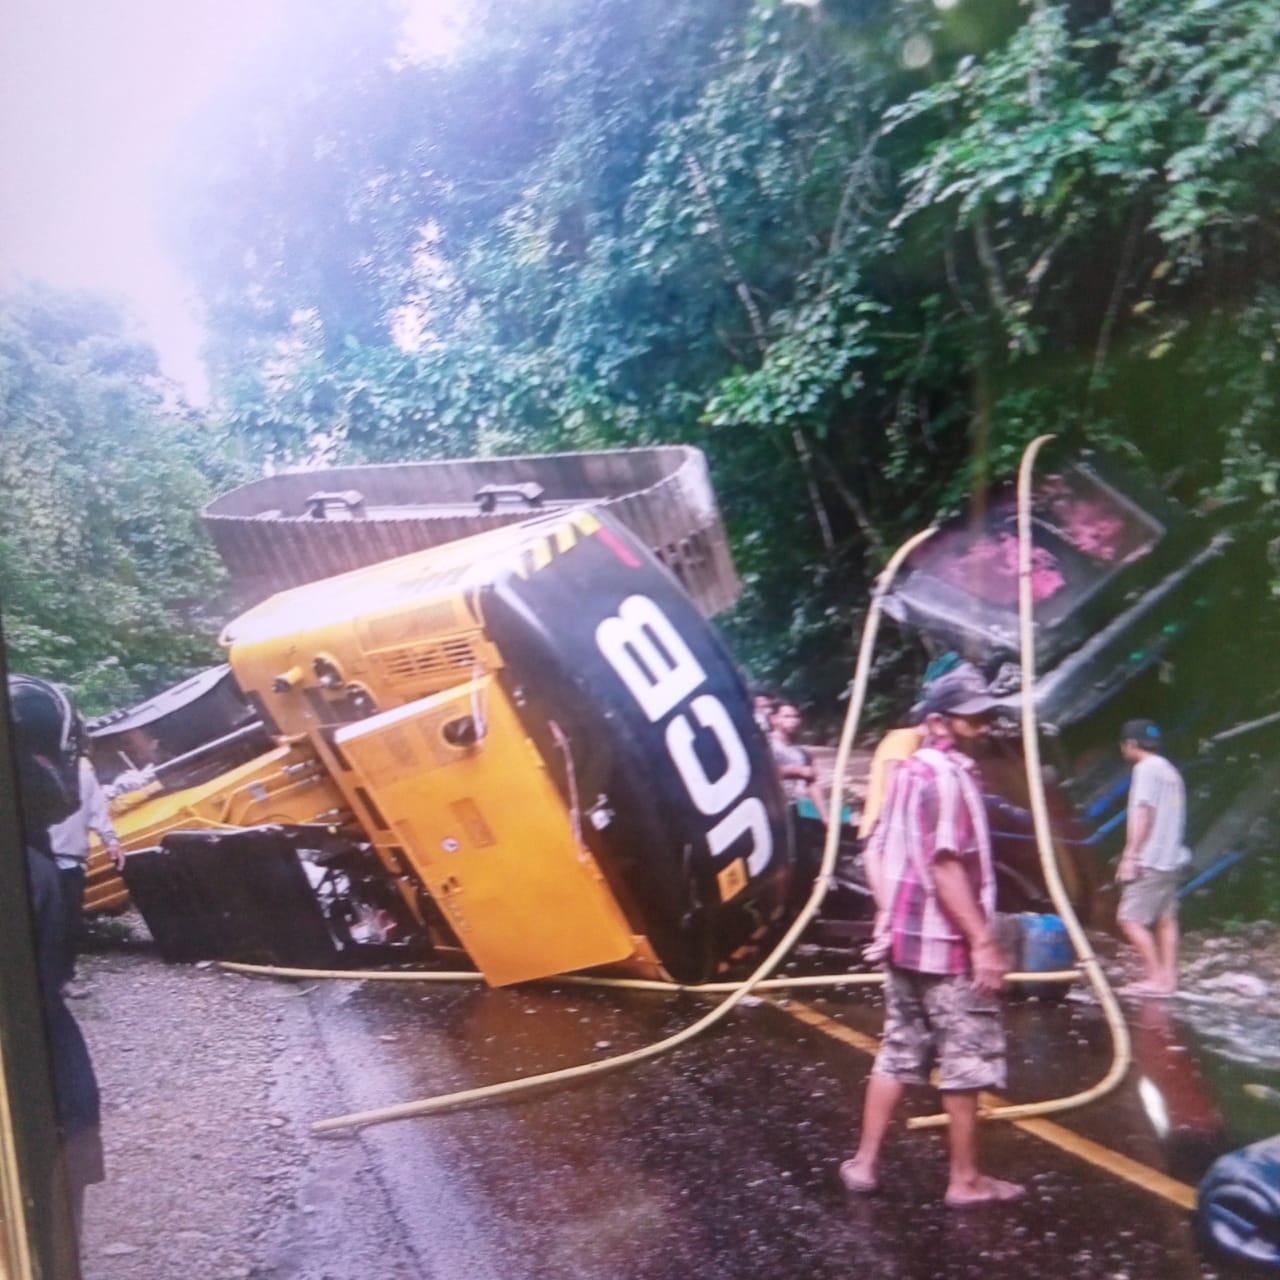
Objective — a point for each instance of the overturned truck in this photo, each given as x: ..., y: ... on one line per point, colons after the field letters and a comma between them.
x: 1137, y: 605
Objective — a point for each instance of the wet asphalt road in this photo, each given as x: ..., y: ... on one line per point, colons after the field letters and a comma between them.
x: 718, y: 1162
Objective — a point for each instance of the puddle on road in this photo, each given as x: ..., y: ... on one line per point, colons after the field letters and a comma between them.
x: 1229, y: 1016
x: 1209, y: 1059
x: 1244, y: 1086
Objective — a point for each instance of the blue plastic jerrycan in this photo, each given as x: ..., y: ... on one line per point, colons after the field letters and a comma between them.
x: 1046, y: 948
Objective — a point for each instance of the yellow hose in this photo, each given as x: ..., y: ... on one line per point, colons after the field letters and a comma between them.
x: 504, y: 1088
x: 618, y: 984
x: 1121, y: 1048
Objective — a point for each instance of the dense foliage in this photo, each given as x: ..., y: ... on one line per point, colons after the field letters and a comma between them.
x: 858, y: 250
x: 106, y: 579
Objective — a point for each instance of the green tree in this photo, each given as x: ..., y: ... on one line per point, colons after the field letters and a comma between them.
x: 107, y: 582
x: 860, y: 252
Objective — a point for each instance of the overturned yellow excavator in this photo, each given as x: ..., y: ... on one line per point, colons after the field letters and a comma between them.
x: 526, y: 745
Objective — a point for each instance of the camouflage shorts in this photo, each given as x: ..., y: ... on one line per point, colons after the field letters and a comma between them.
x: 933, y: 1018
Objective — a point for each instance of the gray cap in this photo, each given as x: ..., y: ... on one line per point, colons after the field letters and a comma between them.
x: 958, y: 693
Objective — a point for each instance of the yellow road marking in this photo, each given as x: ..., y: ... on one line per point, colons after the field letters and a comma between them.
x: 1095, y: 1153
x: 1134, y: 1171
x: 829, y: 1026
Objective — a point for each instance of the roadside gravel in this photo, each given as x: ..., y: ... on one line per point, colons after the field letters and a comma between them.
x: 208, y: 1083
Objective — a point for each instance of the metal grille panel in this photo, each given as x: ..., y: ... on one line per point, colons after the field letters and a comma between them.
x: 453, y: 657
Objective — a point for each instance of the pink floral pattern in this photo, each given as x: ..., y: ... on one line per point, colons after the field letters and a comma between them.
x: 989, y: 570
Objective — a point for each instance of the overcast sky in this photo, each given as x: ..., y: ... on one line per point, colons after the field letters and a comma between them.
x: 93, y: 94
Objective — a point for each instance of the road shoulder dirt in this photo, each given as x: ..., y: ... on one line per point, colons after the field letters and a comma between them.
x: 209, y: 1081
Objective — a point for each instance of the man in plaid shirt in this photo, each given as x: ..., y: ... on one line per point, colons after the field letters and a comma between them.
x: 929, y: 862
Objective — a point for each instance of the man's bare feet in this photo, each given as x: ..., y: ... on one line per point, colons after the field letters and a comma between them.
x: 1145, y: 990
x: 856, y: 1178
x: 983, y: 1190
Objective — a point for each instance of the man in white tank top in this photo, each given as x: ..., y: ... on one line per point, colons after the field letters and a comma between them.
x: 1153, y: 858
